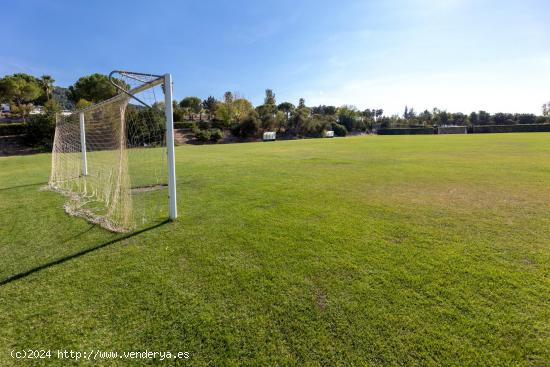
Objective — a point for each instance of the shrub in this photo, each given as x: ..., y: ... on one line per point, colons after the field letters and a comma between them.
x: 82, y: 103
x: 511, y: 128
x: 314, y: 126
x: 348, y: 116
x: 12, y: 129
x: 526, y: 118
x: 202, y: 135
x: 235, y: 129
x: 248, y: 126
x: 542, y: 120
x: 185, y: 125
x: 339, y: 130
x: 218, y: 124
x: 216, y: 134
x: 179, y: 114
x: 203, y: 125
x: 503, y: 118
x: 360, y: 125
x: 384, y: 122
x: 40, y: 130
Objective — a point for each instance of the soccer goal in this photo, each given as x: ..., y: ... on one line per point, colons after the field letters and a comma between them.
x: 114, y: 160
x: 452, y: 129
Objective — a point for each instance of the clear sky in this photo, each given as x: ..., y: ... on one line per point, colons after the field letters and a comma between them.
x: 458, y: 55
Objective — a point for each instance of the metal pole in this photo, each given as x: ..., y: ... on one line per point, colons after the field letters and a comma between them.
x: 170, y: 145
x: 83, y: 145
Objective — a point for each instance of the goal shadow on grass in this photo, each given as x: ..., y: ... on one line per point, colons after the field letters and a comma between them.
x: 27, y: 185
x: 80, y: 253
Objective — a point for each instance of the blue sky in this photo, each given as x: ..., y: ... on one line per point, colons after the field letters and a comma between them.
x: 458, y: 55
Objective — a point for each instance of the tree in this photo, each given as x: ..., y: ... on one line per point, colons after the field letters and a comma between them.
x: 281, y: 121
x: 192, y: 104
x: 94, y: 88
x: 51, y: 107
x: 458, y: 118
x: 324, y: 110
x: 228, y: 97
x: 348, y: 116
x: 441, y: 118
x: 286, y: 108
x: 368, y: 116
x: 47, y: 85
x: 484, y: 118
x: 82, y: 103
x: 269, y: 98
x: 224, y: 110
x: 19, y: 89
x: 546, y: 109
x: 248, y: 126
x: 503, y: 118
x: 299, y: 116
x: 425, y: 117
x: 210, y: 105
x: 409, y: 114
x: 268, y: 110
x: 525, y: 118
x: 232, y: 110
x: 240, y: 108
x: 368, y: 113
x: 385, y: 122
x: 224, y: 113
x: 474, y: 118
x: 316, y: 125
x: 40, y: 129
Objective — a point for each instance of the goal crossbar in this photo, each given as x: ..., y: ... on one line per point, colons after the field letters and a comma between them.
x: 121, y: 96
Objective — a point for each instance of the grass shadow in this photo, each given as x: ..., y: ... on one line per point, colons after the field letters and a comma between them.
x: 27, y: 185
x: 80, y: 253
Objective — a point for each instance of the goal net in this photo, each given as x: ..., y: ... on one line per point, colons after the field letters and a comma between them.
x: 110, y: 159
x: 452, y: 129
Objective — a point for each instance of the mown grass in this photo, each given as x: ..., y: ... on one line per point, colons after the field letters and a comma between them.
x: 409, y: 250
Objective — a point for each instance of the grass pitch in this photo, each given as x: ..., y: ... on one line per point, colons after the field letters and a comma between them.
x: 409, y: 250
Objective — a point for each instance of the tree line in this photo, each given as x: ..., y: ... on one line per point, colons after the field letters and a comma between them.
x: 234, y: 113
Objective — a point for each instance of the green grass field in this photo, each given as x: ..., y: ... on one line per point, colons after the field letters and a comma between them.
x: 405, y: 250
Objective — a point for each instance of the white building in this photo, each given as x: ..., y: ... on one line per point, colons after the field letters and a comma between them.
x: 36, y: 110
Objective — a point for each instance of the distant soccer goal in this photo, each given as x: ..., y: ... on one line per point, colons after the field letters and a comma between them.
x: 452, y: 130
x: 115, y: 160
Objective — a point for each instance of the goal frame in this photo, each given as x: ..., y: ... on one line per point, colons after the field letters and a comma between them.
x: 166, y: 81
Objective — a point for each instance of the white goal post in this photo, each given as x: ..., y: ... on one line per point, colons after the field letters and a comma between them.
x: 169, y: 115
x: 115, y: 159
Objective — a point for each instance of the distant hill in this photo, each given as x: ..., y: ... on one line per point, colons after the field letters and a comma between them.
x: 61, y: 95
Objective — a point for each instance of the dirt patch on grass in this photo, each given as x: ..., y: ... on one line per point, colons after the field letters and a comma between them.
x: 321, y: 300
x: 137, y: 190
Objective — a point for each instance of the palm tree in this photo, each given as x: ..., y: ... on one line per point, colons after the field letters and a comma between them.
x: 47, y: 84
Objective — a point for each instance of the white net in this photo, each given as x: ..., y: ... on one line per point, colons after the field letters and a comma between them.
x: 119, y: 180
x: 452, y: 130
